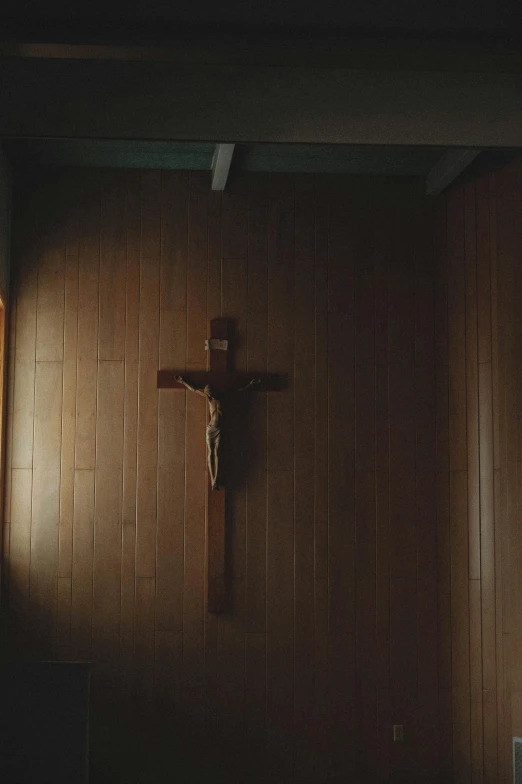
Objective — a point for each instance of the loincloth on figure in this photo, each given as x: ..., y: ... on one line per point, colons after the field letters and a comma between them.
x: 213, y: 435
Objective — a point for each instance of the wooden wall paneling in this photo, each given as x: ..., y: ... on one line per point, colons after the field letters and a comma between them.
x: 502, y: 213
x: 130, y: 431
x: 321, y: 381
x: 11, y: 352
x: 144, y: 647
x: 45, y: 502
x: 25, y: 283
x: 107, y: 523
x: 256, y: 520
x: 70, y: 339
x: 341, y: 424
x: 82, y: 571
x: 171, y: 450
x: 146, y: 500
x: 497, y: 483
x: 425, y: 434
x: 491, y: 756
x: 255, y: 703
x: 365, y: 488
x: 487, y: 497
x: 403, y: 555
x: 304, y: 460
x: 442, y: 488
x: 427, y: 723
x: 460, y: 625
x: 487, y: 520
x: 214, y: 310
x: 168, y: 667
x: 88, y: 291
x: 475, y: 676
x: 473, y: 474
x: 111, y: 343
x: 51, y: 273
x: 457, y: 331
x: 484, y: 268
x: 459, y: 532
x: 234, y: 298
x: 257, y: 351
x: 344, y: 755
x: 514, y: 410
x: 403, y: 667
x: 471, y: 355
x: 382, y: 444
x: 193, y: 701
x: 314, y: 283
x: 280, y: 487
x: 230, y: 675
x: 20, y: 541
x: 321, y: 722
x: 503, y: 222
x: 215, y: 220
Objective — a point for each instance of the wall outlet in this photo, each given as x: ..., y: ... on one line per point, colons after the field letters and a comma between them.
x: 398, y: 733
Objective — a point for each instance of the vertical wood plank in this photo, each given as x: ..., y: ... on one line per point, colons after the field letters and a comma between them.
x: 130, y: 428
x: 82, y: 565
x: 20, y: 540
x: 107, y: 521
x: 171, y: 459
x: 257, y: 351
x: 145, y: 644
x: 46, y: 499
x: 457, y: 332
x: 460, y: 626
x: 25, y: 355
x: 487, y: 527
x: 321, y: 383
x: 384, y: 219
x: 68, y: 413
x: 146, y: 500
x: 88, y: 291
x: 403, y: 561
x: 304, y: 462
x: 11, y: 350
x: 193, y: 700
x: 280, y: 490
x: 112, y: 267
x: 471, y: 354
x: 341, y: 387
x: 476, y: 711
x: 51, y: 281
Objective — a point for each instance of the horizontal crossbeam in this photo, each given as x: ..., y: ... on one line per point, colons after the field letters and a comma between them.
x: 221, y: 382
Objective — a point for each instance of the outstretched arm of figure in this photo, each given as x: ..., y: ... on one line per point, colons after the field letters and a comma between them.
x: 254, y: 383
x: 181, y: 380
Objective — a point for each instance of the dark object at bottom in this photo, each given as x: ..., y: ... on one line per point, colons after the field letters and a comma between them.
x: 44, y: 720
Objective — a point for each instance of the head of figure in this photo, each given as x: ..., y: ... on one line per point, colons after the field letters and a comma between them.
x: 207, y: 390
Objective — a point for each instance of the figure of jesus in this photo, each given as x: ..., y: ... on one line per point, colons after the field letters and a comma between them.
x: 215, y: 410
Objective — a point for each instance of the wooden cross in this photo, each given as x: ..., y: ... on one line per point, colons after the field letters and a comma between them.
x: 220, y: 380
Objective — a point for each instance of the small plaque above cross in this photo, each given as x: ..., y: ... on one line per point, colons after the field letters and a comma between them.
x: 215, y: 384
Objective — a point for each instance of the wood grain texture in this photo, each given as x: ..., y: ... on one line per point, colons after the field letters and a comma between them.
x: 340, y: 548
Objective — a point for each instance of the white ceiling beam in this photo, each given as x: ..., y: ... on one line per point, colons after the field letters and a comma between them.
x: 221, y: 165
x: 447, y: 169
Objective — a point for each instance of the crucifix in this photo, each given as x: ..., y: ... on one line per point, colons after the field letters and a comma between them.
x: 216, y: 385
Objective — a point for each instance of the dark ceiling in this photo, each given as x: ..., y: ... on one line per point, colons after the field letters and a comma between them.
x: 160, y: 19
